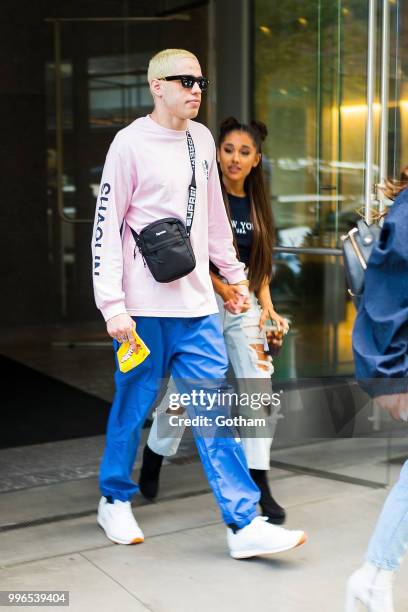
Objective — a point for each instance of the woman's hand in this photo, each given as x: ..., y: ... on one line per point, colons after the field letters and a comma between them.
x: 396, y: 405
x: 282, y: 324
x: 268, y: 311
x: 274, y: 335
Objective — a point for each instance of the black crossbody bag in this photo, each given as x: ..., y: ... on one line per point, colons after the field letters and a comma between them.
x: 165, y: 244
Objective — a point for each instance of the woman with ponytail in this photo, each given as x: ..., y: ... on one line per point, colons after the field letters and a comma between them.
x: 239, y: 155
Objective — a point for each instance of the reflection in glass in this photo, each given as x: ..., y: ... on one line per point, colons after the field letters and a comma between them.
x: 310, y: 90
x: 310, y: 80
x: 310, y: 291
x: 310, y: 76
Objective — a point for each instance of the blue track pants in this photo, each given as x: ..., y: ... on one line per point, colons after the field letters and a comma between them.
x: 190, y: 349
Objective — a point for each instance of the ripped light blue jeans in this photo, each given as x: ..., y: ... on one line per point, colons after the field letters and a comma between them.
x: 389, y: 541
x: 241, y: 335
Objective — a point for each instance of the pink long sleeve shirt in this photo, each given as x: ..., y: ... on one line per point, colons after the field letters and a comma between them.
x: 146, y: 177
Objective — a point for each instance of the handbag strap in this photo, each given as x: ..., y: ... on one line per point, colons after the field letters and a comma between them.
x: 192, y: 190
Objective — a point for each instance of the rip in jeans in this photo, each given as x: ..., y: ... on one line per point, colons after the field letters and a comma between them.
x: 260, y: 359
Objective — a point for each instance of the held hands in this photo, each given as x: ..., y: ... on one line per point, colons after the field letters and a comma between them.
x: 396, y: 405
x: 120, y: 328
x: 236, y: 298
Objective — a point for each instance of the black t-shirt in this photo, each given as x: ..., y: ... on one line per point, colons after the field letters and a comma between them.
x: 241, y: 225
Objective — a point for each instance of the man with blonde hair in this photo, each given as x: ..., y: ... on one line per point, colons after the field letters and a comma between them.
x: 163, y: 62
x: 164, y: 166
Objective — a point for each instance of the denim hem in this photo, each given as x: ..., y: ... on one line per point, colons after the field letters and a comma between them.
x: 384, y: 565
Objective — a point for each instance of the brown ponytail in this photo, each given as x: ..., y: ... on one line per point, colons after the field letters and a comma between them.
x: 393, y: 187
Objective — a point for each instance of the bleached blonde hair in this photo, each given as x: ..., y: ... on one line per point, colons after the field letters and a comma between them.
x: 162, y: 63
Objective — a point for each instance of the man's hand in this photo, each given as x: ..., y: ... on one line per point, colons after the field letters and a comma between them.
x: 120, y: 328
x: 396, y: 405
x: 236, y: 299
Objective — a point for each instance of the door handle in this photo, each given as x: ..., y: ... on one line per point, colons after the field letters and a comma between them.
x: 385, y: 68
x: 369, y: 140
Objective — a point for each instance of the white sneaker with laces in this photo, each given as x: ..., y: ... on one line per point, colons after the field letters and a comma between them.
x: 118, y: 522
x: 372, y: 587
x: 262, y: 538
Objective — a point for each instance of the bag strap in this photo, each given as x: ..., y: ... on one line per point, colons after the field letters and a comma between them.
x: 192, y: 190
x: 356, y: 249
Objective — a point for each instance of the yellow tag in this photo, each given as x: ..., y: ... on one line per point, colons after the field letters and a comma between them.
x: 128, y: 358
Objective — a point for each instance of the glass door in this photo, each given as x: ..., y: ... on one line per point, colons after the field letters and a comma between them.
x: 320, y: 71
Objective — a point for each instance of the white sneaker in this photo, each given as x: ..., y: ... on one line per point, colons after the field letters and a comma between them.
x: 372, y: 587
x: 118, y: 522
x: 262, y: 538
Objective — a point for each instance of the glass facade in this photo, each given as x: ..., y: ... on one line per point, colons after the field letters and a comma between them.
x: 311, y: 86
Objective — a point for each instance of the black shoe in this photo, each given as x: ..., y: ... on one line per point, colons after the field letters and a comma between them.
x: 150, y: 473
x: 270, y: 508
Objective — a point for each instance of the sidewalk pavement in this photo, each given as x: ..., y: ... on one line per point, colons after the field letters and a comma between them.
x: 49, y: 540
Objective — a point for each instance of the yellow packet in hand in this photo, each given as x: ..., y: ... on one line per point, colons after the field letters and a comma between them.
x: 128, y: 358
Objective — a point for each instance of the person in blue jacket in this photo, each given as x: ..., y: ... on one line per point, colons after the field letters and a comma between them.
x: 380, y: 344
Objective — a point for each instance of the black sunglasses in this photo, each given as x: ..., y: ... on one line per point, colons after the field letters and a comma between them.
x: 187, y: 80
